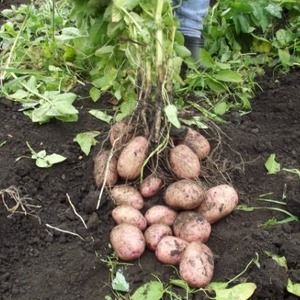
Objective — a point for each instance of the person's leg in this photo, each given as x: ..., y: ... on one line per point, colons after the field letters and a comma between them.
x: 191, y: 14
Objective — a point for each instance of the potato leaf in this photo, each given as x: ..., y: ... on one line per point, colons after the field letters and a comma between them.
x: 228, y: 76
x: 172, y: 115
x: 101, y: 115
x: 242, y: 291
x: 119, y: 283
x: 86, y: 140
x: 281, y: 260
x: 271, y: 165
x: 152, y: 290
x: 293, y: 288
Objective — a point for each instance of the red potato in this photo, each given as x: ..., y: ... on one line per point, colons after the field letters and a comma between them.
x: 220, y: 201
x: 105, y: 169
x: 196, y: 266
x: 154, y: 233
x: 132, y: 157
x: 127, y: 241
x: 184, y: 162
x: 151, y: 186
x: 120, y: 134
x: 184, y: 194
x: 191, y: 226
x: 160, y: 214
x: 126, y: 194
x: 130, y: 215
x: 170, y: 249
x: 197, y: 142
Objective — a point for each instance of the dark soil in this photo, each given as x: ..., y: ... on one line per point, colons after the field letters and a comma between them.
x: 37, y: 262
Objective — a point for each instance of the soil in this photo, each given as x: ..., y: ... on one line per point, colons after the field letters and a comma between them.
x: 39, y: 262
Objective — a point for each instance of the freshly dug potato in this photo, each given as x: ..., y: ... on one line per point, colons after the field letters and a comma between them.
x: 184, y: 162
x: 170, y: 249
x: 160, y: 214
x: 196, y: 266
x: 126, y: 194
x: 132, y: 157
x: 219, y: 201
x: 154, y: 233
x: 130, y: 215
x: 184, y: 194
x: 197, y: 142
x: 120, y: 134
x: 127, y: 241
x: 105, y: 169
x: 191, y: 226
x: 151, y: 186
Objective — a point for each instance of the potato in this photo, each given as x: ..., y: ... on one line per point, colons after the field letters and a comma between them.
x: 120, y: 134
x: 126, y: 194
x: 191, y: 226
x: 170, y: 249
x: 160, y: 214
x: 151, y: 186
x: 130, y: 215
x: 219, y: 201
x: 154, y: 233
x: 184, y: 194
x: 127, y: 241
x: 101, y: 175
x: 184, y: 162
x: 196, y: 266
x: 197, y: 142
x: 132, y: 157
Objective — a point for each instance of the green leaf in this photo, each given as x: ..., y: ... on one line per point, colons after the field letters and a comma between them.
x: 95, y: 94
x: 206, y: 59
x: 228, y: 76
x: 50, y: 160
x: 274, y: 10
x: 220, y: 108
x: 172, y: 115
x: 86, y: 140
x: 271, y: 165
x: 126, y: 4
x: 284, y: 56
x: 101, y: 115
x: 152, y: 290
x: 180, y: 283
x: 104, y: 50
x: 242, y: 291
x: 293, y: 288
x: 281, y: 260
x: 119, y: 283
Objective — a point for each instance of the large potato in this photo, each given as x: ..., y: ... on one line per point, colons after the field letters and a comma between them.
x: 105, y: 169
x: 130, y: 215
x: 155, y: 232
x: 184, y: 162
x: 120, y: 134
x: 126, y: 194
x: 160, y: 214
x: 191, y: 226
x: 196, y: 266
x: 170, y: 249
x: 127, y: 241
x: 151, y: 186
x: 184, y: 194
x: 197, y: 142
x: 132, y: 157
x: 219, y: 201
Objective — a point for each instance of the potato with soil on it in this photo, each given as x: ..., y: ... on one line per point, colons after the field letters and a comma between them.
x: 132, y: 158
x: 191, y: 227
x: 150, y: 186
x: 160, y: 214
x: 170, y: 249
x: 126, y: 194
x: 127, y: 241
x: 219, y: 201
x: 196, y: 266
x: 197, y: 142
x: 184, y: 194
x: 105, y: 169
x: 184, y: 162
x: 155, y: 232
x: 120, y: 134
x: 130, y: 215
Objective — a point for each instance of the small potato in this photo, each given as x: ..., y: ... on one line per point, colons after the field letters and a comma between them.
x: 197, y: 142
x: 105, y: 169
x: 130, y: 215
x: 120, y: 134
x: 197, y: 265
x: 127, y: 241
x: 154, y: 233
x: 126, y: 194
x: 184, y: 194
x: 191, y: 226
x: 160, y: 214
x: 170, y: 249
x: 220, y: 201
x: 151, y: 186
x: 132, y: 157
x: 184, y: 162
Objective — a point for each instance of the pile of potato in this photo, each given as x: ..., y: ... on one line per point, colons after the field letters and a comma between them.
x: 177, y: 229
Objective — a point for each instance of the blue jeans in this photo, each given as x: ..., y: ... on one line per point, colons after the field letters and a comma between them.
x: 191, y: 14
